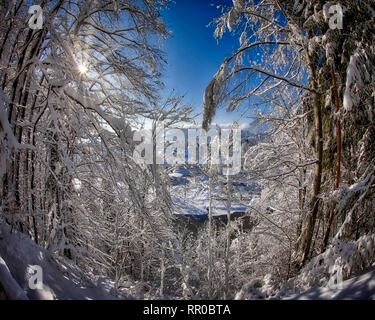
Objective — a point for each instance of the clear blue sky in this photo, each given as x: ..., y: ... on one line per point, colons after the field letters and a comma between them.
x: 193, y: 54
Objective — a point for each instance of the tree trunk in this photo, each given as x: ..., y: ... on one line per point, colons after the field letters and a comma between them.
x: 162, y: 271
x: 209, y: 275
x: 314, y: 204
x: 228, y: 231
x: 338, y: 163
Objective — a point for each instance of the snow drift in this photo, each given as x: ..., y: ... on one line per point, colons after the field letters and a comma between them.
x: 62, y: 280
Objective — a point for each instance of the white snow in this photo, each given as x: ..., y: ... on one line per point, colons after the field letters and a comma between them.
x: 357, y: 288
x: 197, y: 203
x: 62, y: 280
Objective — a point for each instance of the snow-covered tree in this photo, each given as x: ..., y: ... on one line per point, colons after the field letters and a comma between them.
x: 319, y: 53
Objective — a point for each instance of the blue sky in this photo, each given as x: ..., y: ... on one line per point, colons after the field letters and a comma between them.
x: 193, y: 54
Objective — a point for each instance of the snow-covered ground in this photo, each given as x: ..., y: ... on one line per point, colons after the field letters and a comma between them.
x: 191, y: 194
x: 62, y: 280
x: 196, y: 202
x: 357, y: 288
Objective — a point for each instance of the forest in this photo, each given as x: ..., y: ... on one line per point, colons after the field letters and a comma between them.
x: 115, y: 186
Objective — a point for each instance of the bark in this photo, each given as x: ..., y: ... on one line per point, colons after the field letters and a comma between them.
x: 10, y: 27
x: 209, y: 276
x: 162, y: 271
x: 338, y: 163
x: 314, y: 203
x: 228, y: 240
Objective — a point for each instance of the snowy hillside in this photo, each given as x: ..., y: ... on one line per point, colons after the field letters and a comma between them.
x: 356, y: 288
x: 62, y: 280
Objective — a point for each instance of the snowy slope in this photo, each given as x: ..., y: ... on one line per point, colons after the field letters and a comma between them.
x: 357, y: 288
x: 61, y: 279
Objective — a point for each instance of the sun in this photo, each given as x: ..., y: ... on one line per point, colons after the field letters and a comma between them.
x: 82, y: 68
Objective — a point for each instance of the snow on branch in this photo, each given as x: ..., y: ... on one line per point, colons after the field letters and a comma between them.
x: 6, y: 128
x: 363, y: 187
x: 215, y: 87
x: 117, y: 124
x: 273, y: 75
x: 260, y: 43
x: 212, y: 93
x: 6, y: 133
x: 358, y: 74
